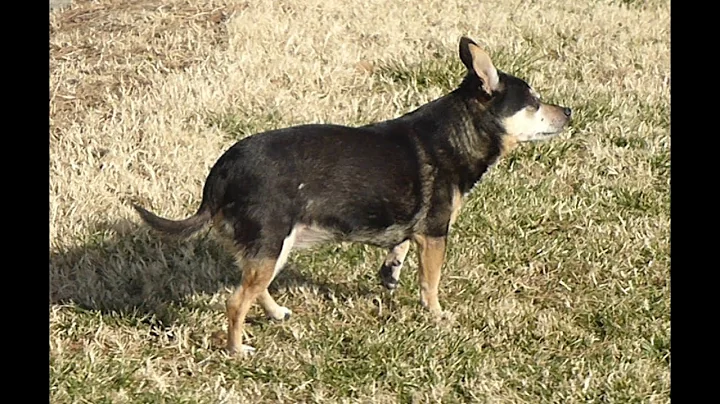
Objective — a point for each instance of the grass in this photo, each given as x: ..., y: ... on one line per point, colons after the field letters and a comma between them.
x: 558, y: 268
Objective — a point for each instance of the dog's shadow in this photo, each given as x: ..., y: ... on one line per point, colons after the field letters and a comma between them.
x: 124, y: 268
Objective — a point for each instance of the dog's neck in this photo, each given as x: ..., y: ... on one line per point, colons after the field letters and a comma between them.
x: 462, y: 130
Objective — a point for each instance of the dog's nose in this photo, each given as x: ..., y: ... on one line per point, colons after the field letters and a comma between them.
x: 567, y: 112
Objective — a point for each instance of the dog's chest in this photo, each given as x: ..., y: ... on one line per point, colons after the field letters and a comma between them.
x: 455, y: 204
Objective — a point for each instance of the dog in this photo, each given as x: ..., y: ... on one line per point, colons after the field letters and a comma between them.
x: 385, y: 184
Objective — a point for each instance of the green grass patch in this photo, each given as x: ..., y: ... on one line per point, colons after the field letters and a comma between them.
x: 557, y: 272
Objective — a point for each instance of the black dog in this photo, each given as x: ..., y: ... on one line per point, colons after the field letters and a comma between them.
x: 383, y: 184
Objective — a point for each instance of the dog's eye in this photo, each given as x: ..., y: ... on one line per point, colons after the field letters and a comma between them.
x: 533, y: 103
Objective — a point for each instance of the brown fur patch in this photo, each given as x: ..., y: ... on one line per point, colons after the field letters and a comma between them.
x: 222, y: 226
x: 555, y: 113
x: 457, y: 201
x: 509, y: 143
x: 226, y: 236
x: 257, y: 275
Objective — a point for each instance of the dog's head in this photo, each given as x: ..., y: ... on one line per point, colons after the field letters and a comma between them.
x: 516, y: 105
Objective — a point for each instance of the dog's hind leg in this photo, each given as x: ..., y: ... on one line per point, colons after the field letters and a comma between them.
x: 390, y: 270
x: 432, y: 254
x: 271, y: 308
x: 257, y: 275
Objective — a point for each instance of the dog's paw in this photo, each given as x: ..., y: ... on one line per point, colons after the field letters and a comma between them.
x: 243, y: 349
x: 388, y: 277
x: 281, y: 314
x: 436, y: 312
x: 440, y: 316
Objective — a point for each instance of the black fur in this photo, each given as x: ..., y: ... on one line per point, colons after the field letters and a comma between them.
x: 377, y: 184
x: 182, y: 228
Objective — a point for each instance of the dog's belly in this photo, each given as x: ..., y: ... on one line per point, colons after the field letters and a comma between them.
x: 309, y: 235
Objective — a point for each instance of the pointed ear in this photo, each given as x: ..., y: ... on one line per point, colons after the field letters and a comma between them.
x: 477, y: 61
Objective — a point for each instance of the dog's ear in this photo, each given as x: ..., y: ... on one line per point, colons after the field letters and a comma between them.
x: 477, y: 61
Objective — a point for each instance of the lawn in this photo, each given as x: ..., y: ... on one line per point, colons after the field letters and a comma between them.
x: 558, y: 268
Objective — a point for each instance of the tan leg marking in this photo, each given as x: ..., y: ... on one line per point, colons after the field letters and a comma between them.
x: 257, y: 275
x: 457, y: 201
x: 432, y: 254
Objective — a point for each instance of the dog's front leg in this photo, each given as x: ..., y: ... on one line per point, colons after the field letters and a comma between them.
x: 390, y: 270
x: 432, y: 254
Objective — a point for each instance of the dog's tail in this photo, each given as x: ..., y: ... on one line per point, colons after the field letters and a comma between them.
x: 181, y: 228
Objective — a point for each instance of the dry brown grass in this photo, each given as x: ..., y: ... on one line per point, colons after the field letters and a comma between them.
x: 558, y: 269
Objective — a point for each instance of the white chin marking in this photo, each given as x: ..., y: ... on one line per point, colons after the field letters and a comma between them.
x: 535, y: 136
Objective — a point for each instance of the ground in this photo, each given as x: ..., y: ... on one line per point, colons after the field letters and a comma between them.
x: 558, y: 269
